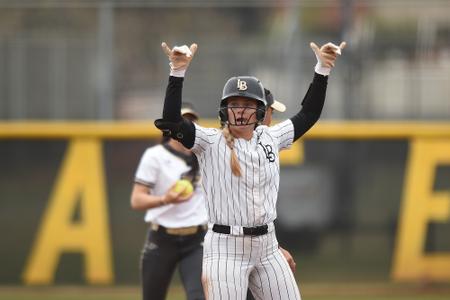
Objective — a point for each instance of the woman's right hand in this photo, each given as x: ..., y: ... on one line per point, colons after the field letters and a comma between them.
x: 172, y: 197
x: 179, y: 56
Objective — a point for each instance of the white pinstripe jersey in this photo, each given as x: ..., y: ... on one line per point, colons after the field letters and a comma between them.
x: 249, y: 200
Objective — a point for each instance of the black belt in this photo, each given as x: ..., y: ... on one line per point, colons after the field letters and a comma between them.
x: 255, y: 231
x: 178, y: 231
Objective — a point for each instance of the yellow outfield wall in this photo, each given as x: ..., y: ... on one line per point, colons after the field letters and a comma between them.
x: 429, y: 146
x: 146, y: 129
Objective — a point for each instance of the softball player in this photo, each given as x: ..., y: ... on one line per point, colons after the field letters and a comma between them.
x: 240, y: 177
x: 176, y: 224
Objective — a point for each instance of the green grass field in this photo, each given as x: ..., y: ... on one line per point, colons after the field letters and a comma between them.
x: 313, y: 291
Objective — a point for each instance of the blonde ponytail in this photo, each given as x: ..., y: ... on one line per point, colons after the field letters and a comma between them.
x: 234, y: 162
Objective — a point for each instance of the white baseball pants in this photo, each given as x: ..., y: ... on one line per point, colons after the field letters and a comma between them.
x: 233, y: 263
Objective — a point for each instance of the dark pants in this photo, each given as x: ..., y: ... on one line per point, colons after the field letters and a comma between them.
x: 161, y: 254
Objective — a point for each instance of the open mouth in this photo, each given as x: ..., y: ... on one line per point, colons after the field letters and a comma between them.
x: 242, y: 115
x: 241, y: 121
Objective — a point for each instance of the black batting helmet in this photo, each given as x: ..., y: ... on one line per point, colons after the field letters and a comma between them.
x: 243, y: 86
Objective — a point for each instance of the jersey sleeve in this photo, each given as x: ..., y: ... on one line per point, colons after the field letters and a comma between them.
x: 148, y: 169
x: 283, y: 133
x: 204, y: 138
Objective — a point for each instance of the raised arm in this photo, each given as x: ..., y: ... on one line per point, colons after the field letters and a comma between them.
x: 314, y: 99
x: 172, y: 124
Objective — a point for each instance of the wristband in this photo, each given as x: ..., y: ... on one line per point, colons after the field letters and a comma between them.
x: 177, y: 73
x: 322, y: 70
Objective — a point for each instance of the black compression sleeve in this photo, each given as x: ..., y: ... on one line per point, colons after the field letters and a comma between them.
x: 184, y: 131
x: 172, y: 101
x: 312, y: 105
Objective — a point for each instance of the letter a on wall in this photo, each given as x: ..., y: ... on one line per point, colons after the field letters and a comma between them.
x: 80, y: 180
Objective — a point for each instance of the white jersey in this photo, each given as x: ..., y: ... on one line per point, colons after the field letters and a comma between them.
x: 159, y: 169
x: 249, y: 200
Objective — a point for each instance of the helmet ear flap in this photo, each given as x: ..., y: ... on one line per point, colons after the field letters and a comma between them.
x: 260, y: 113
x: 223, y: 114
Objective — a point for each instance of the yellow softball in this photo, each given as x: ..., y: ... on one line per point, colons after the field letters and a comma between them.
x: 185, y: 185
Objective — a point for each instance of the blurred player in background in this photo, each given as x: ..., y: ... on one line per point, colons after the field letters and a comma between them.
x: 272, y: 105
x: 176, y: 222
x: 240, y: 176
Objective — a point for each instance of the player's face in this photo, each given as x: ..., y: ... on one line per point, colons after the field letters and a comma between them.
x: 242, y: 111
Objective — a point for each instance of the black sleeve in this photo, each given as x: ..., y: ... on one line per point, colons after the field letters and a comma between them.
x: 312, y: 105
x: 172, y: 101
x: 173, y: 124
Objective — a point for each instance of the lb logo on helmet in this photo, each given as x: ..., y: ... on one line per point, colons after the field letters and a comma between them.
x: 242, y: 85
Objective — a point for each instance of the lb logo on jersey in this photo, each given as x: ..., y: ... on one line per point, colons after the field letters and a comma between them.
x: 242, y: 85
x: 268, y: 151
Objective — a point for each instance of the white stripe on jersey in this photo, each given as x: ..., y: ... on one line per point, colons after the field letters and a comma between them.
x: 249, y: 200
